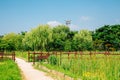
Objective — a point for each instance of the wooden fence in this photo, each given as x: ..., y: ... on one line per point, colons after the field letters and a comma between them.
x: 40, y: 56
x: 9, y: 55
x: 44, y: 55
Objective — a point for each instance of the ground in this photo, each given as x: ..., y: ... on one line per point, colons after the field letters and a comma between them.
x: 30, y: 73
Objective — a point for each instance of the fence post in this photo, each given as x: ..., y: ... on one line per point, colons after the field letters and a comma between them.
x: 95, y: 52
x: 81, y: 54
x: 1, y: 53
x: 90, y: 54
x: 60, y: 57
x: 68, y: 55
x: 33, y: 57
x: 28, y: 56
x: 107, y: 53
x: 14, y: 56
x: 75, y: 55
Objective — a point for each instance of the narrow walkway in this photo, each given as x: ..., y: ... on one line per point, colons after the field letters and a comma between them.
x: 29, y: 72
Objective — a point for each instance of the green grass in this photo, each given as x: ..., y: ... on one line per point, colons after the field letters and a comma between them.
x: 21, y: 54
x: 99, y: 67
x: 96, y: 67
x: 9, y: 70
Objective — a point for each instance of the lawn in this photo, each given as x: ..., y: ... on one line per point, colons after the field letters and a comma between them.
x: 9, y: 70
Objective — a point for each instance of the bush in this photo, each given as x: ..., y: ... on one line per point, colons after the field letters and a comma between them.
x: 53, y: 60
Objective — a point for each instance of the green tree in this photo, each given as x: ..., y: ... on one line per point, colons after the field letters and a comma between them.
x: 38, y: 38
x: 83, y: 40
x: 60, y: 34
x: 108, y: 36
x: 67, y: 46
x: 18, y: 40
x: 69, y: 43
x: 2, y: 44
x: 9, y: 41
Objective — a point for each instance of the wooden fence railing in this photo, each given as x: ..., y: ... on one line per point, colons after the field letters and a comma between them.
x: 10, y: 55
x: 44, y: 55
x: 40, y: 56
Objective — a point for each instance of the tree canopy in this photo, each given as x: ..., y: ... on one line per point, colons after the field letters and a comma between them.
x: 107, y: 37
x: 38, y: 38
x: 61, y: 38
x: 83, y: 40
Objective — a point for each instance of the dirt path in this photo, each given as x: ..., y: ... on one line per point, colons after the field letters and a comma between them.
x: 29, y: 72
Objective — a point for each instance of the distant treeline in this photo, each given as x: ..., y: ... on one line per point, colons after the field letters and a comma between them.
x: 61, y: 38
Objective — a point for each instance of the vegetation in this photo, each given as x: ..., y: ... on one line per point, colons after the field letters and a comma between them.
x: 83, y: 40
x: 38, y: 38
x: 21, y: 54
x: 96, y: 67
x: 85, y: 67
x: 9, y: 70
x: 53, y: 60
x: 107, y: 37
x: 60, y: 38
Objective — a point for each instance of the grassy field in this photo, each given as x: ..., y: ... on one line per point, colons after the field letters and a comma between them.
x: 9, y: 70
x: 96, y: 67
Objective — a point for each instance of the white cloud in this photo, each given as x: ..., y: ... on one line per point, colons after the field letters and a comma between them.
x: 73, y: 27
x: 54, y: 23
x: 85, y: 18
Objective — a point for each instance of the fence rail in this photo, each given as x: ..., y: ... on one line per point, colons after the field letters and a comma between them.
x: 10, y: 55
x: 44, y: 55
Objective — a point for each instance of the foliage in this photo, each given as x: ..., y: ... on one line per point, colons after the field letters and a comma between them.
x: 53, y: 60
x: 67, y: 46
x: 107, y: 37
x: 95, y: 67
x: 9, y: 70
x: 9, y: 41
x: 22, y: 54
x: 69, y: 43
x: 38, y: 38
x: 83, y: 40
x: 60, y: 38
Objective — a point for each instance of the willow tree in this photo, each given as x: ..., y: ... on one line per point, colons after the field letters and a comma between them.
x: 38, y: 38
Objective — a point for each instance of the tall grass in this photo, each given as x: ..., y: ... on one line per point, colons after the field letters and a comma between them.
x: 9, y: 70
x: 96, y: 67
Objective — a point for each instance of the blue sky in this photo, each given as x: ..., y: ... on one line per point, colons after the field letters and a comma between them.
x: 22, y: 15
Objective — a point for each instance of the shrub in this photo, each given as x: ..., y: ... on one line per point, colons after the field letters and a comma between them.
x: 53, y: 60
